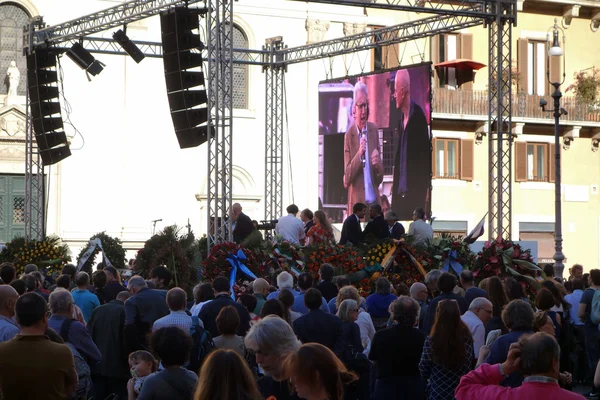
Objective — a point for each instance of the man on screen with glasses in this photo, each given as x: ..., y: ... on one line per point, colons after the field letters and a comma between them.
x: 363, y: 169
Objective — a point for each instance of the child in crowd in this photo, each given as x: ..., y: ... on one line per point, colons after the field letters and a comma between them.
x: 142, y: 364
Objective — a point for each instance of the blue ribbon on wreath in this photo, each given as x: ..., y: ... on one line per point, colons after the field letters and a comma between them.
x: 452, y: 262
x: 237, y: 263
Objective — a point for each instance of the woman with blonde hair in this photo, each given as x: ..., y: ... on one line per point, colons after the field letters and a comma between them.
x: 321, y: 232
x: 364, y: 321
x: 225, y: 376
x: 317, y: 373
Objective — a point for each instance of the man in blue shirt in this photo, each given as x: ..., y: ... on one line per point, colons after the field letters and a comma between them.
x: 85, y: 299
x: 8, y: 299
x: 305, y: 282
x: 578, y: 356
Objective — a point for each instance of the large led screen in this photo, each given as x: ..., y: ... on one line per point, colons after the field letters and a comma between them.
x: 375, y: 142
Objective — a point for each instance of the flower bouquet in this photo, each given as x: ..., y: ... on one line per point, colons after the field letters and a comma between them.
x: 380, y: 253
x: 443, y: 252
x: 216, y: 263
x: 112, y: 249
x: 172, y: 249
x: 345, y: 260
x: 222, y: 256
x: 288, y: 257
x: 504, y: 258
x: 49, y: 254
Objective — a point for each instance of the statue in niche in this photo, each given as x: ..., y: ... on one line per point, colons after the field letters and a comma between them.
x: 13, y: 76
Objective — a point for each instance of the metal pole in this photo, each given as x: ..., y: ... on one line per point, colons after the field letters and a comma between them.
x: 558, y: 256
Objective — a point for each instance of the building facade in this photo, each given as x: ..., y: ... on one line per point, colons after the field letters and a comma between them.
x: 127, y: 169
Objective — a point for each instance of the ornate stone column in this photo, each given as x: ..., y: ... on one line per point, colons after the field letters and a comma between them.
x: 316, y: 30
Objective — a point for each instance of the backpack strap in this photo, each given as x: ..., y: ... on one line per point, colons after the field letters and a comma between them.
x: 65, y: 327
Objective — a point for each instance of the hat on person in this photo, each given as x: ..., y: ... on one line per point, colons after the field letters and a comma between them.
x: 391, y: 216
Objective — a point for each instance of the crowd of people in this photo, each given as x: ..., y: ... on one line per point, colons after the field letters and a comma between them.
x: 443, y: 338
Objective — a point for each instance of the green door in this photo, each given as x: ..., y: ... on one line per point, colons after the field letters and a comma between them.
x: 12, y: 207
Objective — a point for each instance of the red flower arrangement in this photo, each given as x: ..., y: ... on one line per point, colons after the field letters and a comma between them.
x: 406, y: 271
x: 216, y: 264
x: 345, y: 260
x: 504, y: 258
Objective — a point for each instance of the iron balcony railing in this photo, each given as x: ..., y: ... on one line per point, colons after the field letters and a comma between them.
x: 475, y: 102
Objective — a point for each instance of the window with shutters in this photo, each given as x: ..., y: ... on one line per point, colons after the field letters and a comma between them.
x: 240, y: 71
x: 533, y: 162
x: 448, y: 47
x: 453, y: 159
x: 449, y: 50
x: 536, y: 162
x: 446, y: 159
x: 533, y: 67
x: 536, y: 68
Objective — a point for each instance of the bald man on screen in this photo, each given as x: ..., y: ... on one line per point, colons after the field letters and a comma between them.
x: 412, y: 163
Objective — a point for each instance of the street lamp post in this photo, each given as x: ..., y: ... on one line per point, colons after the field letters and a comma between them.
x: 556, y: 51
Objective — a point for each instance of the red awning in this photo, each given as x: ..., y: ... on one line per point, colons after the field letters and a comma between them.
x: 461, y: 63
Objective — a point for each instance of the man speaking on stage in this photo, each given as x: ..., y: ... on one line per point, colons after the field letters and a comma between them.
x: 412, y: 163
x: 363, y: 169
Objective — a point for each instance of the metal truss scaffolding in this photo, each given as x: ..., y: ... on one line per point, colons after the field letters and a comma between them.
x: 442, y: 16
x: 101, y: 45
x: 220, y: 102
x: 500, y: 120
x: 274, y: 105
x: 35, y: 205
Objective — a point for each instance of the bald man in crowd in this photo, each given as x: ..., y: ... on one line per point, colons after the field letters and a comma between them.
x: 242, y: 224
x: 412, y: 163
x: 260, y: 287
x: 8, y: 299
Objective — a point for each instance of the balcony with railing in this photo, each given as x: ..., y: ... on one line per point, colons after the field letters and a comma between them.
x: 474, y: 104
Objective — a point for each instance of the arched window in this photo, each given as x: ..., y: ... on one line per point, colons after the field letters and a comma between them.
x: 240, y: 71
x: 12, y: 20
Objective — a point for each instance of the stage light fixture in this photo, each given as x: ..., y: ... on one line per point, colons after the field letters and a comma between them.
x: 130, y: 48
x: 84, y: 59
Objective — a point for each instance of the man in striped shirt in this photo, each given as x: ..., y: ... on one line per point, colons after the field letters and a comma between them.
x: 176, y: 300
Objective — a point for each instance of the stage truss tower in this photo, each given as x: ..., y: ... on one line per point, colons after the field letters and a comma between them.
x: 219, y: 30
x: 274, y: 107
x: 500, y: 120
x: 448, y: 15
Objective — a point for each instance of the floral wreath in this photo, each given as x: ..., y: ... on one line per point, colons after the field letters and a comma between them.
x: 113, y: 250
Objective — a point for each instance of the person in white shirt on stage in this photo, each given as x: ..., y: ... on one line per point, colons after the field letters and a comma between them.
x: 290, y: 227
x: 420, y: 229
x: 480, y: 312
